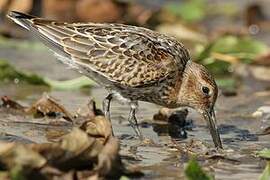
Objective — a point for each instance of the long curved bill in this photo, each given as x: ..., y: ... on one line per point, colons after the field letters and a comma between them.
x: 210, y: 118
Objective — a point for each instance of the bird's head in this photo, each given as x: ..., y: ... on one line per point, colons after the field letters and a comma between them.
x: 199, y: 91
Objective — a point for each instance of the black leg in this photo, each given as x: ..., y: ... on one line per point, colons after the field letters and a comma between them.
x: 106, y: 108
x: 133, y: 121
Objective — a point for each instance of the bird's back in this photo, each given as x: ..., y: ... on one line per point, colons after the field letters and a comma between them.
x: 122, y: 55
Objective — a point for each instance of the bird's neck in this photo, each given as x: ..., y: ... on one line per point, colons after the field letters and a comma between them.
x: 182, y: 94
x: 175, y: 88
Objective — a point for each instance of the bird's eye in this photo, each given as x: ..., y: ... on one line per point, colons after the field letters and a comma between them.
x: 206, y: 90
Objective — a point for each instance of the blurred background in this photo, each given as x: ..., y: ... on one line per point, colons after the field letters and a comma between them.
x: 226, y: 36
x: 230, y: 37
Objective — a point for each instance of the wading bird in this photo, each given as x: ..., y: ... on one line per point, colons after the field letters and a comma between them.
x: 132, y: 63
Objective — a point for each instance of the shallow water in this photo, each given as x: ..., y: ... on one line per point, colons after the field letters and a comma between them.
x: 164, y: 158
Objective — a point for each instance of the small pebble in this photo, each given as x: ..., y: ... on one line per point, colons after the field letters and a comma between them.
x: 261, y: 111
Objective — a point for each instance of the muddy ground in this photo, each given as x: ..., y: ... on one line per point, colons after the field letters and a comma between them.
x: 164, y: 158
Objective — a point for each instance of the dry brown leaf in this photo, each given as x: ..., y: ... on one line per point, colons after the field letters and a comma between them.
x: 266, y: 131
x: 75, y: 151
x: 98, y: 127
x: 12, y: 155
x: 47, y: 106
x: 87, y: 152
x: 90, y: 111
x: 108, y: 159
x: 225, y: 57
x: 8, y: 103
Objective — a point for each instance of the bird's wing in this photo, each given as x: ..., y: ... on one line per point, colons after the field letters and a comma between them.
x: 128, y: 55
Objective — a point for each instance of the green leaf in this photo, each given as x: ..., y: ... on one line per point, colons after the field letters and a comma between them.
x: 265, y: 153
x: 70, y: 84
x: 223, y: 8
x: 190, y: 11
x: 232, y: 44
x: 215, y: 66
x: 17, y: 173
x: 124, y: 178
x: 228, y: 83
x: 266, y: 173
x: 240, y: 47
x: 244, y: 49
x: 193, y: 171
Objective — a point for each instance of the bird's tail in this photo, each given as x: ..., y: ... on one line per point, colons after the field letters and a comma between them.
x: 39, y: 27
x: 23, y: 20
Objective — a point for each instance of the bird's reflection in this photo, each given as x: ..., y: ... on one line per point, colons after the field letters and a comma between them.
x: 176, y: 127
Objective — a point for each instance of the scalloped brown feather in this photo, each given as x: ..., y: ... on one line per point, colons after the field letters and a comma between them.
x: 128, y: 55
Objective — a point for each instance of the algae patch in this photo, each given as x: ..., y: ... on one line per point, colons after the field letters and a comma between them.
x: 8, y: 73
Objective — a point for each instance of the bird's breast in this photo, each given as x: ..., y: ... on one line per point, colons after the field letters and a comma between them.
x: 163, y: 94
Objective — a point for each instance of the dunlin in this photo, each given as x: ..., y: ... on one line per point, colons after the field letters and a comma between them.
x: 132, y: 63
